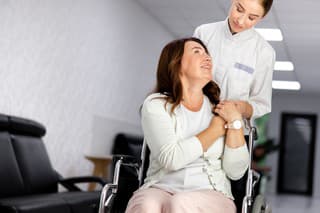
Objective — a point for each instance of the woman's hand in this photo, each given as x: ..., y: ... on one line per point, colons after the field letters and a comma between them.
x: 217, y: 124
x: 215, y: 130
x: 228, y: 111
x: 244, y: 108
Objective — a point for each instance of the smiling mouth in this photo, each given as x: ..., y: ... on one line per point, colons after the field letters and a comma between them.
x: 207, y: 67
x: 237, y: 25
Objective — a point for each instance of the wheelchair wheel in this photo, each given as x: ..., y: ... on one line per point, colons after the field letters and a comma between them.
x: 260, y: 206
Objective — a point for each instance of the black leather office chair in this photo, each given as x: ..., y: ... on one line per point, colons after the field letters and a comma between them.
x: 28, y: 182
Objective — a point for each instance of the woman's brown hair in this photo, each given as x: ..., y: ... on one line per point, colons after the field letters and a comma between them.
x: 168, y: 74
x: 266, y: 4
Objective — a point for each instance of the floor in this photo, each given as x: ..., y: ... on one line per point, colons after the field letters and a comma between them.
x: 293, y: 204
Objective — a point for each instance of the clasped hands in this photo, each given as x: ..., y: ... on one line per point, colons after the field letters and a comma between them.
x: 228, y: 111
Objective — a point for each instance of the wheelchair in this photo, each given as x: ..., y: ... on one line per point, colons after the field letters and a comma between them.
x: 130, y: 172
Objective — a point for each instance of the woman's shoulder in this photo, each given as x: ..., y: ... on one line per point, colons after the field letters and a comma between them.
x: 263, y: 45
x: 154, y: 98
x: 154, y: 102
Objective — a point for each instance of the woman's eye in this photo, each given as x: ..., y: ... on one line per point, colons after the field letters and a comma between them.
x: 239, y: 9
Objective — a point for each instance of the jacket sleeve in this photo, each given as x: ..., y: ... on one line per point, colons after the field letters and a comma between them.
x: 197, y: 32
x: 235, y: 161
x: 158, y: 126
x: 261, y: 90
x: 201, y: 32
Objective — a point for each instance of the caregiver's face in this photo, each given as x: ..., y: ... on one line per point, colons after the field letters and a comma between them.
x: 244, y: 14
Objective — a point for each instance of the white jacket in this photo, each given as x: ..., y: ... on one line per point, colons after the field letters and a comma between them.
x: 242, y: 64
x: 169, y: 152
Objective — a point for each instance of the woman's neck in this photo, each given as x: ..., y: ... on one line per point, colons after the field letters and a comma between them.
x: 192, y: 99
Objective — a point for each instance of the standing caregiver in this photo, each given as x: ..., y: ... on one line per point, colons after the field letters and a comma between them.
x: 244, y: 64
x: 243, y: 60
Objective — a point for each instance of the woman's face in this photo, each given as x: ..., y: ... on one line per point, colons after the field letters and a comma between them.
x: 196, y: 66
x: 244, y: 14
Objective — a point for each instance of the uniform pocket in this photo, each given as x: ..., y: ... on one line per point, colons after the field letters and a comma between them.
x: 243, y: 67
x: 241, y: 79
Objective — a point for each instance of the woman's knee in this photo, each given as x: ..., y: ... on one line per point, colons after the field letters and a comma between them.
x: 198, y: 202
x: 144, y: 201
x: 142, y: 206
x: 177, y: 203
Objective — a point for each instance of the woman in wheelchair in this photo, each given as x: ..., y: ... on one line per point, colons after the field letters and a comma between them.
x: 196, y: 142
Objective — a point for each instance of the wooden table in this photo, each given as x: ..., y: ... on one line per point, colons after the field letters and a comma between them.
x: 100, y: 169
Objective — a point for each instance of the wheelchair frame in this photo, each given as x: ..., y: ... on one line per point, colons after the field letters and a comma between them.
x: 250, y: 204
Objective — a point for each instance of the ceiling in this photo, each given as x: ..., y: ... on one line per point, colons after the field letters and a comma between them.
x: 299, y: 22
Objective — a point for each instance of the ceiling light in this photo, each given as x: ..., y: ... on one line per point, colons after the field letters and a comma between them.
x: 286, y: 85
x: 270, y: 34
x: 283, y: 66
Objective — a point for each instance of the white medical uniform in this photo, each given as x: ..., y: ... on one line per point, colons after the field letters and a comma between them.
x: 242, y: 64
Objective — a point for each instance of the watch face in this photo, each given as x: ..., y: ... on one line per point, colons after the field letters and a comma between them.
x: 237, y: 124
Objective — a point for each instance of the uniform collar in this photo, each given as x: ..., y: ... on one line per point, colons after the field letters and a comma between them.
x: 244, y: 35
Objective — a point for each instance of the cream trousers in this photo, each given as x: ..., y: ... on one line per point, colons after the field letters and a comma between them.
x: 154, y: 200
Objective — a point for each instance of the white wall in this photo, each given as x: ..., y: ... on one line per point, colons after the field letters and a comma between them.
x: 294, y: 104
x: 82, y: 68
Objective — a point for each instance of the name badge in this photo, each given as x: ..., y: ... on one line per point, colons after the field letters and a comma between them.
x: 243, y: 67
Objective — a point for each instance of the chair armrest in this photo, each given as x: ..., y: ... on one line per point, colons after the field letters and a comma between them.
x: 69, y: 183
x: 126, y: 159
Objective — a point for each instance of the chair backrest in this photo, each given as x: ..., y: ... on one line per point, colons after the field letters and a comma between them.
x: 11, y: 182
x: 25, y: 167
x: 127, y: 144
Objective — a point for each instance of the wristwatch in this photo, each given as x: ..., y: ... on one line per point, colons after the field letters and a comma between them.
x: 236, y: 124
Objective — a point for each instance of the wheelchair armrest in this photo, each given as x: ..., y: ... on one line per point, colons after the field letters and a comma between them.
x: 106, y: 201
x: 69, y: 183
x: 126, y: 159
